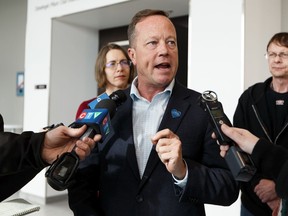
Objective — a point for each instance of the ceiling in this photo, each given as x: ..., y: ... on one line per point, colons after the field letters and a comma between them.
x: 120, y: 14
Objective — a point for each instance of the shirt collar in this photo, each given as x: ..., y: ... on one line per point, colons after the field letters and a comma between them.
x: 134, y: 93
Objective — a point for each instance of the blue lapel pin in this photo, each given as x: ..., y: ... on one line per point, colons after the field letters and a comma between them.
x: 175, y: 113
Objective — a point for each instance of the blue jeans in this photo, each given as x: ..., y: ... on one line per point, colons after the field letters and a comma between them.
x: 245, y: 212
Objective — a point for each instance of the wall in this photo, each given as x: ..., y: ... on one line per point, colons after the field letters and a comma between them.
x: 215, y: 49
x: 215, y: 59
x: 12, y: 44
x: 72, y: 70
x: 260, y: 26
x: 284, y: 17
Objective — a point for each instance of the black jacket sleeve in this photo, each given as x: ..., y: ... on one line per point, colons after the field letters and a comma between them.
x: 272, y: 160
x: 20, y: 159
x: 20, y: 151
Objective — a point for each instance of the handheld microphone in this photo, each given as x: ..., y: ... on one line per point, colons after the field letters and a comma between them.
x: 118, y: 97
x: 238, y: 161
x: 103, y: 96
x: 98, y: 121
x: 60, y: 173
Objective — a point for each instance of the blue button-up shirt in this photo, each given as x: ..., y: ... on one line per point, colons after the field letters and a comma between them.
x: 146, y: 120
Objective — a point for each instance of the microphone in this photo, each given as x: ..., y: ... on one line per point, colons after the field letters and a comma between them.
x: 97, y: 120
x: 93, y: 103
x: 103, y: 108
x: 238, y: 161
x: 60, y: 173
x: 117, y: 96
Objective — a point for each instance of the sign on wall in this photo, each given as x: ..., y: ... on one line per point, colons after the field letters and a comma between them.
x: 20, y: 84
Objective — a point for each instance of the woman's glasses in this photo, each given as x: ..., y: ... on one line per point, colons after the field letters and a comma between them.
x: 113, y: 64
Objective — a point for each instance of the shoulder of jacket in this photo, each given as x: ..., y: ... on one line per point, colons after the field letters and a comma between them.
x: 258, y: 89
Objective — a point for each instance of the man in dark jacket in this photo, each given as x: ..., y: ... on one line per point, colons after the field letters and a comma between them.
x: 263, y: 110
x: 161, y: 159
x: 24, y: 155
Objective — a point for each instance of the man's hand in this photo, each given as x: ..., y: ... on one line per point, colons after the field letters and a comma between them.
x: 275, y: 206
x: 169, y: 149
x: 63, y: 139
x: 265, y: 190
x: 243, y: 138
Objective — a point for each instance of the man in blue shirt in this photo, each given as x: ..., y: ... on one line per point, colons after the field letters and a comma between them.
x: 161, y: 159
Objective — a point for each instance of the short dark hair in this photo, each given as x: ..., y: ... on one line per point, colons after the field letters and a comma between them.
x: 101, y: 64
x: 280, y: 39
x: 140, y: 16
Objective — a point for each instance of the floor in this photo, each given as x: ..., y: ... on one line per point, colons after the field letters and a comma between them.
x: 53, y: 208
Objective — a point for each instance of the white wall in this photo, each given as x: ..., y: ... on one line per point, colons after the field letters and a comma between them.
x: 284, y: 17
x: 215, y: 49
x: 73, y: 57
x: 12, y: 43
x: 215, y: 59
x: 262, y: 21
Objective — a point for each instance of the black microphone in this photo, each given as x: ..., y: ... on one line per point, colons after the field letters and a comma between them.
x: 60, y: 173
x: 97, y: 119
x: 238, y: 161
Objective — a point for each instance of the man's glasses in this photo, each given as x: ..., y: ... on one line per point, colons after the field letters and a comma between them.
x: 273, y: 55
x: 113, y: 64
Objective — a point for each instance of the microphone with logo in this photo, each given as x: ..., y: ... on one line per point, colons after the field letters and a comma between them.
x: 97, y: 118
x: 60, y: 173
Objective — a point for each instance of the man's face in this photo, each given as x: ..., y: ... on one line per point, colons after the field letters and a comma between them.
x: 155, y: 53
x: 278, y: 65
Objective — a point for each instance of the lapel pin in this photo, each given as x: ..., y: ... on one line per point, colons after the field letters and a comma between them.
x: 175, y: 113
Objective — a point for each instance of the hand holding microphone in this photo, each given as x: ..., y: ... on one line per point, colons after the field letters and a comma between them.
x: 238, y: 161
x: 60, y: 173
x: 244, y: 139
x: 97, y: 118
